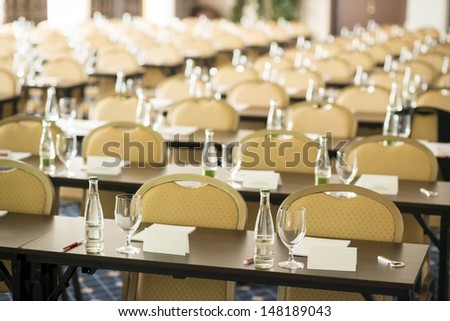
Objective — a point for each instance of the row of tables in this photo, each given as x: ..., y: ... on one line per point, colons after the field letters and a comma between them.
x: 409, y: 199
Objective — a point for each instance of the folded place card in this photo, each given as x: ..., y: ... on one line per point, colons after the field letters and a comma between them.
x: 257, y: 179
x: 335, y: 258
x: 303, y: 248
x: 2, y: 212
x: 13, y: 155
x: 177, y: 130
x: 167, y: 239
x: 382, y: 184
x: 5, y: 153
x: 100, y: 165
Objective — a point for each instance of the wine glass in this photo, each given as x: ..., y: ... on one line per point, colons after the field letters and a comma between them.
x: 346, y: 167
x: 128, y: 215
x: 67, y: 110
x: 291, y: 224
x: 66, y: 150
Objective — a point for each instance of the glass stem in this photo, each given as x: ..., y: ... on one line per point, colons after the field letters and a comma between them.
x: 291, y: 255
x: 128, y: 240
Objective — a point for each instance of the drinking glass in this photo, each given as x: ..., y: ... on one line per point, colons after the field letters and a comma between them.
x: 67, y: 110
x: 346, y: 167
x: 404, y: 123
x: 128, y: 215
x: 231, y: 161
x: 279, y: 118
x: 291, y: 224
x: 66, y: 150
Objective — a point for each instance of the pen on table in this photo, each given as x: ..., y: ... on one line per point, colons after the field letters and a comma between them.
x: 72, y: 245
x: 248, y: 261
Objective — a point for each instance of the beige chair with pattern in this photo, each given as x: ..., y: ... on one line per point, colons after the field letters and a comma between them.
x: 204, y: 113
x: 334, y: 70
x: 385, y: 79
x: 257, y: 93
x: 16, y: 180
x: 394, y: 46
x: 175, y: 88
x: 22, y: 133
x: 443, y: 81
x: 364, y: 99
x: 116, y: 59
x: 276, y: 64
x: 8, y: 88
x: 127, y: 141
x: 438, y: 97
x: 295, y: 81
x: 357, y: 58
x: 229, y: 76
x: 405, y: 158
x: 64, y: 69
x: 115, y: 108
x: 367, y: 216
x: 209, y: 203
x: 317, y: 117
x: 278, y: 150
x: 422, y: 68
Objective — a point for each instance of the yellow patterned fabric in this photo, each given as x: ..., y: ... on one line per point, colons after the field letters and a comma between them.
x: 439, y: 98
x: 8, y: 83
x: 228, y: 76
x: 357, y: 58
x: 385, y: 79
x: 209, y: 203
x: 65, y: 69
x: 368, y: 216
x: 425, y: 125
x: 116, y: 59
x: 116, y: 108
x: 128, y: 140
x: 297, y: 80
x: 364, y: 99
x: 284, y: 151
x: 204, y: 113
x: 23, y: 133
x: 334, y: 70
x: 318, y: 118
x: 257, y: 93
x: 175, y: 88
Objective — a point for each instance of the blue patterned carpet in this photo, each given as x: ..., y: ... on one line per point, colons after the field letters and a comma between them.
x: 106, y: 285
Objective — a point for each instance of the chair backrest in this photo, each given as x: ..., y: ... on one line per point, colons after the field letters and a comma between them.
x: 279, y: 150
x: 367, y: 216
x: 65, y: 69
x: 334, y: 70
x: 430, y: 123
x: 196, y: 47
x: 357, y: 58
x: 128, y: 141
x: 204, y: 202
x: 257, y: 93
x: 370, y: 99
x: 422, y: 68
x: 115, y: 108
x: 385, y: 79
x: 439, y: 98
x: 443, y: 81
x: 8, y: 83
x: 175, y: 88
x: 317, y: 117
x: 229, y: 76
x: 403, y: 157
x: 296, y: 81
x: 162, y: 55
x: 23, y: 133
x: 25, y: 189
x: 204, y: 113
x: 276, y: 64
x: 116, y: 59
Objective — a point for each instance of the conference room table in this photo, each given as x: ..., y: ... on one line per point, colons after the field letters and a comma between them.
x: 214, y: 254
x: 409, y: 198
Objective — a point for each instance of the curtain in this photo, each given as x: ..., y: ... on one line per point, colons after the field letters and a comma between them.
x: 34, y: 10
x: 115, y: 8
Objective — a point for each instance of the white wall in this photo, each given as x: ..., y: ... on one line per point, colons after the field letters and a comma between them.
x: 159, y: 12
x: 66, y: 14
x: 427, y: 13
x: 316, y: 14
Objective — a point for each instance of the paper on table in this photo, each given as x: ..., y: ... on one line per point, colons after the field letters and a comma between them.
x: 13, y: 155
x: 167, y: 239
x: 2, y: 212
x: 139, y: 237
x: 259, y: 179
x: 99, y: 165
x: 240, y: 106
x: 177, y: 130
x: 438, y: 149
x: 303, y: 248
x: 334, y: 258
x: 382, y: 184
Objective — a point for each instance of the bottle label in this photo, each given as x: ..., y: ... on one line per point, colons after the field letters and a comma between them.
x: 322, y: 180
x: 44, y: 162
x: 209, y: 172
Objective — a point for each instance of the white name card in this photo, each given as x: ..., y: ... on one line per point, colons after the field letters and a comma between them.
x: 307, y: 242
x: 100, y: 165
x: 335, y: 258
x: 3, y: 213
x: 382, y: 184
x: 167, y: 239
x: 257, y: 179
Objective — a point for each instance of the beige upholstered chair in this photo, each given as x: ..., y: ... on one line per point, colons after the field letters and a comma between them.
x: 422, y: 68
x: 65, y: 69
x: 385, y: 79
x: 204, y: 113
x: 18, y: 179
x: 175, y: 88
x: 443, y: 81
x: 430, y: 123
x: 276, y: 64
x: 439, y: 97
x: 229, y: 76
x: 8, y: 83
x: 368, y: 216
x: 296, y: 81
x: 320, y: 117
x: 210, y: 203
x: 435, y: 59
x: 357, y: 58
x: 116, y: 59
x: 334, y: 70
x: 279, y: 150
x: 23, y: 133
x: 115, y: 108
x: 395, y: 45
x: 257, y: 93
x: 370, y: 99
x: 378, y: 53
x: 132, y: 142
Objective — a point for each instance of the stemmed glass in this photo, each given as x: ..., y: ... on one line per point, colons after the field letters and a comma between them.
x: 67, y: 110
x: 128, y: 215
x: 291, y: 224
x: 346, y: 167
x: 66, y: 150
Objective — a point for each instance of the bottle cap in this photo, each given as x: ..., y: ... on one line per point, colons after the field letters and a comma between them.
x: 93, y: 178
x: 264, y: 190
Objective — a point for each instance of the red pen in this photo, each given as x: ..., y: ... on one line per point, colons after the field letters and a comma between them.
x: 72, y: 245
x: 248, y: 261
